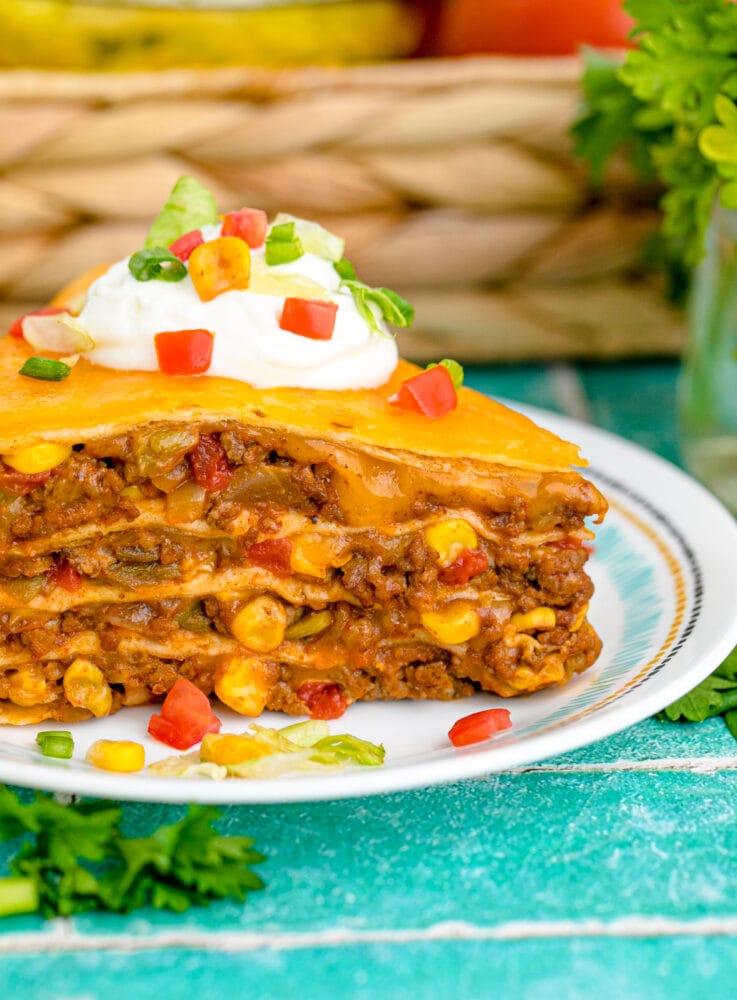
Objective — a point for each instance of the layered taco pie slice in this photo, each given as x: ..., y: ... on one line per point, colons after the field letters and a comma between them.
x: 239, y: 483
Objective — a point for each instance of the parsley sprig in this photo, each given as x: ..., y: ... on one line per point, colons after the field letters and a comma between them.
x: 661, y: 106
x: 74, y: 858
x: 715, y: 695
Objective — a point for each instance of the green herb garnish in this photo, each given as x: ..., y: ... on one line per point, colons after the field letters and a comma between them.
x: 56, y: 743
x: 454, y: 369
x: 282, y: 245
x: 668, y: 105
x: 157, y: 264
x: 46, y: 369
x: 715, y: 695
x: 74, y: 858
x: 393, y: 308
x: 189, y: 206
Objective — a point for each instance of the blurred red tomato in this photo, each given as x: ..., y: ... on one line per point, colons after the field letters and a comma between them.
x: 530, y: 27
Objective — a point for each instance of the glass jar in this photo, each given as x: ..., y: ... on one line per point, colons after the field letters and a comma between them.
x: 707, y: 387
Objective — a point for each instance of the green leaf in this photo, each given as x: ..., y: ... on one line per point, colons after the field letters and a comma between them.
x: 77, y: 860
x: 189, y: 206
x: 728, y: 667
x: 680, y: 76
x: 731, y: 720
x: 725, y: 111
x: 702, y: 702
x: 719, y: 143
x: 612, y: 119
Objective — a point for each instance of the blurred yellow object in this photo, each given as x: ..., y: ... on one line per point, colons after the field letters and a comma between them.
x: 154, y: 34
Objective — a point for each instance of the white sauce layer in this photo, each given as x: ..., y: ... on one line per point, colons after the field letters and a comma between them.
x: 122, y: 315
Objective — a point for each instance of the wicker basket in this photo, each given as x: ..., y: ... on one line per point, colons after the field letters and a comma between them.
x: 452, y: 181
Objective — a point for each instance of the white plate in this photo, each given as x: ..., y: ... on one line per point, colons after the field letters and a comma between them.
x: 665, y: 607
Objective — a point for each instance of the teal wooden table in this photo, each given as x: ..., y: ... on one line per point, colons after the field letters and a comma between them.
x: 610, y: 872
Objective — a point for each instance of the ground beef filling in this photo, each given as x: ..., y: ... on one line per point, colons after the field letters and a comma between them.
x: 370, y: 646
x: 382, y: 570
x: 410, y: 670
x: 102, y: 482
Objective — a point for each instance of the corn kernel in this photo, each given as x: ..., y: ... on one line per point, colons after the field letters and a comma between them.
x: 228, y: 749
x: 244, y: 685
x: 260, y: 625
x: 580, y: 618
x: 132, y: 492
x: 28, y: 686
x: 313, y: 554
x: 450, y: 538
x: 454, y: 624
x: 220, y: 265
x: 116, y: 755
x: 538, y: 618
x: 85, y: 687
x: 37, y: 458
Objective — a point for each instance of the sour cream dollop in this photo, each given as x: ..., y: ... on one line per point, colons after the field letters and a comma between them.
x: 122, y: 316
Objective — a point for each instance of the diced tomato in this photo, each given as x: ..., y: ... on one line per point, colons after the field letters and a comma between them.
x: 250, y: 224
x: 166, y: 732
x: 273, y: 554
x: 479, y: 726
x: 324, y: 700
x: 186, y: 715
x: 431, y: 393
x: 567, y: 543
x: 210, y: 465
x: 184, y: 246
x: 16, y: 329
x: 469, y: 563
x: 311, y: 318
x: 64, y: 575
x: 21, y: 482
x: 184, y: 352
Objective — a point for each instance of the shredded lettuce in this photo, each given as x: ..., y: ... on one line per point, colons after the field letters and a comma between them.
x: 299, y: 748
x: 189, y: 206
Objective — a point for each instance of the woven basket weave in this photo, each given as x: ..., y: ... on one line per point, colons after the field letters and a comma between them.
x: 452, y: 181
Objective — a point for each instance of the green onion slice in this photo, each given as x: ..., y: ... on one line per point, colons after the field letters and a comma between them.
x: 47, y: 369
x: 309, y: 625
x: 282, y: 245
x: 455, y: 370
x: 56, y: 743
x: 157, y: 263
